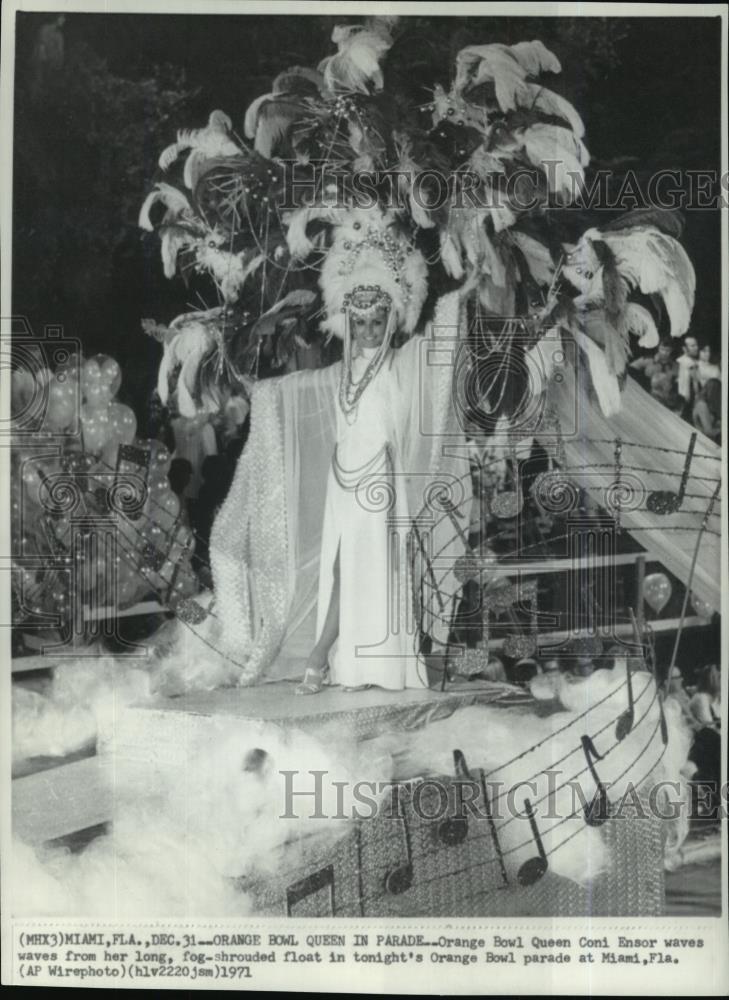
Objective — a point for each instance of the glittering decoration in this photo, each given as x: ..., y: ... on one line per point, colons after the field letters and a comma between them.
x: 467, y: 567
x: 189, y: 611
x: 470, y: 663
x: 153, y: 557
x: 520, y: 646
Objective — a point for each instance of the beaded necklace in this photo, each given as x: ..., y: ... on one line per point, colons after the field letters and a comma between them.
x: 350, y: 392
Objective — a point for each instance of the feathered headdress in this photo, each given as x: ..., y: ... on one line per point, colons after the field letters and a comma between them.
x: 367, y: 252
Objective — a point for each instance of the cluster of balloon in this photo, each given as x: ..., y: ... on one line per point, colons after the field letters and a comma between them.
x: 657, y: 591
x: 105, y: 423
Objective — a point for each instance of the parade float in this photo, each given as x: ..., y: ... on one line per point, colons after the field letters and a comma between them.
x: 571, y: 472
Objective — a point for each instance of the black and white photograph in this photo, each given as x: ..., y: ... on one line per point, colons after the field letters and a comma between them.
x: 363, y: 522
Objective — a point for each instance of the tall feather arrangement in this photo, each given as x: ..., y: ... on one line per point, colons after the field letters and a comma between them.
x: 511, y: 152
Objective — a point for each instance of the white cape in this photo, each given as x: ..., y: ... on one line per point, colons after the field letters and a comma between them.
x: 271, y: 538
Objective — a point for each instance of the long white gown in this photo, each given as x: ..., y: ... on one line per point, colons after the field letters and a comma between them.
x: 367, y: 519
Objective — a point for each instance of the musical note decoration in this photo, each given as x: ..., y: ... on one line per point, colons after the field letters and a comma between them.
x: 624, y: 724
x: 509, y: 503
x: 399, y: 879
x: 492, y: 827
x: 191, y: 612
x: 467, y: 567
x: 500, y: 596
x: 299, y: 891
x: 454, y: 830
x: 428, y: 567
x: 659, y: 696
x: 598, y: 810
x: 535, y: 867
x: 667, y: 501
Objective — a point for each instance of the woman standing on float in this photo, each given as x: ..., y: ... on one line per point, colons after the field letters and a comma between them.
x: 376, y: 438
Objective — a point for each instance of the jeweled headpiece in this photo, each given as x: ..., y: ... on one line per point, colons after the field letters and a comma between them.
x: 370, y: 263
x: 366, y: 300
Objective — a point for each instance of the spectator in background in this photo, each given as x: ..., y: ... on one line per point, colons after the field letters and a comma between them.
x: 707, y: 367
x: 706, y: 703
x: 662, y: 373
x: 707, y: 410
x: 687, y: 365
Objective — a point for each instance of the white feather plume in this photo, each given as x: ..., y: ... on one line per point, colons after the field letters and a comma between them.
x: 559, y: 152
x: 640, y: 322
x: 300, y: 246
x: 174, y: 200
x: 209, y: 142
x: 657, y: 264
x: 507, y: 67
x: 537, y: 256
x: 251, y: 120
x: 356, y: 66
x: 549, y: 103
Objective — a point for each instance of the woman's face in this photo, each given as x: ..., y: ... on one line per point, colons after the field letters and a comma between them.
x: 369, y: 331
x: 705, y: 355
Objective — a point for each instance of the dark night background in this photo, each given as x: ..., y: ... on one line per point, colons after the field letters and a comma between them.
x: 90, y: 126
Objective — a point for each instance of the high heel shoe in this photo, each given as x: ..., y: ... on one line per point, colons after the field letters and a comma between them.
x: 313, y: 681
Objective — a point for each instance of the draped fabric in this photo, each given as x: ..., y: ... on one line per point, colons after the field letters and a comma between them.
x: 266, y: 543
x: 654, y: 443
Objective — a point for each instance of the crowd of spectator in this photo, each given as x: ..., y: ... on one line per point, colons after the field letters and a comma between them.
x: 689, y: 385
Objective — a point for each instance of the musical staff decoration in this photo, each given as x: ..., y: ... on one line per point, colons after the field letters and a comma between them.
x: 598, y: 810
x: 534, y: 868
x: 666, y: 501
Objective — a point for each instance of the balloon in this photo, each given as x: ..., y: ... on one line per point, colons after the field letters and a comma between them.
x: 123, y: 422
x: 90, y: 374
x: 109, y: 373
x: 97, y: 395
x: 702, y: 608
x: 165, y: 509
x: 60, y: 409
x: 95, y: 426
x: 657, y: 591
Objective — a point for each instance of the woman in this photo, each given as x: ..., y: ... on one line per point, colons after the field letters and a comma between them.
x: 707, y: 367
x: 316, y: 544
